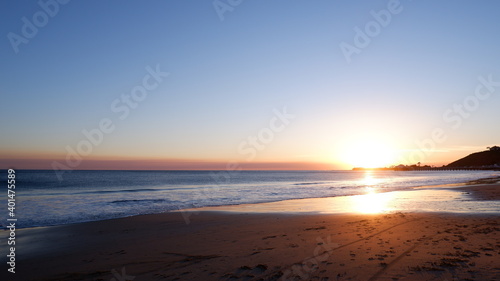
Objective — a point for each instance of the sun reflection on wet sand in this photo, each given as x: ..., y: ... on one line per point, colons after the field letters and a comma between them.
x: 372, y: 202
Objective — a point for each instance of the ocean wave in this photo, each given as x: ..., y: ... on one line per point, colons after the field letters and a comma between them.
x: 140, y: 201
x: 310, y: 183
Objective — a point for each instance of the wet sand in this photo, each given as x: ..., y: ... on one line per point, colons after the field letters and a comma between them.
x: 222, y: 245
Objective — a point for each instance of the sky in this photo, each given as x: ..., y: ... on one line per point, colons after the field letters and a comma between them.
x: 256, y: 84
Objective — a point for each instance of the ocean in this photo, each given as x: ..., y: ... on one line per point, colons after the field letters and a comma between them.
x: 43, y: 200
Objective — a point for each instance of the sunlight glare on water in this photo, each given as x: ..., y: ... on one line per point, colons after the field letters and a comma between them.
x: 371, y: 202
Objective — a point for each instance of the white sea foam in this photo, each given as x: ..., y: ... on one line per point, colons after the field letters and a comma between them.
x: 95, y: 195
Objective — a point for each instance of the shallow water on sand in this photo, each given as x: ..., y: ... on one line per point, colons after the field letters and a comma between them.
x: 419, y: 200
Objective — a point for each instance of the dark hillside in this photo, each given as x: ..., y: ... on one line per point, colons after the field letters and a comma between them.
x: 484, y: 158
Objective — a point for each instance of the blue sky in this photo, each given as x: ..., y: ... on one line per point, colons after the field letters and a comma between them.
x: 226, y: 78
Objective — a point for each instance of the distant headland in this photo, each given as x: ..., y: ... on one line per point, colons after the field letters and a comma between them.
x: 484, y: 160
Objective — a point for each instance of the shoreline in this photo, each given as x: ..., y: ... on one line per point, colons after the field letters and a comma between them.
x: 472, y: 192
x: 451, y: 186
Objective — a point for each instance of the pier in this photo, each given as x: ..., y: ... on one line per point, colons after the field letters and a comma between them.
x: 409, y: 168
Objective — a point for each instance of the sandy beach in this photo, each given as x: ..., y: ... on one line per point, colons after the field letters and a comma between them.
x: 223, y: 245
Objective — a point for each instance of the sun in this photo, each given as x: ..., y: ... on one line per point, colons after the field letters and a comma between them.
x: 369, y: 153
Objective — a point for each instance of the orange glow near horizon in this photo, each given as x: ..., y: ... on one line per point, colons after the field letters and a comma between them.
x: 116, y: 163
x: 368, y: 152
